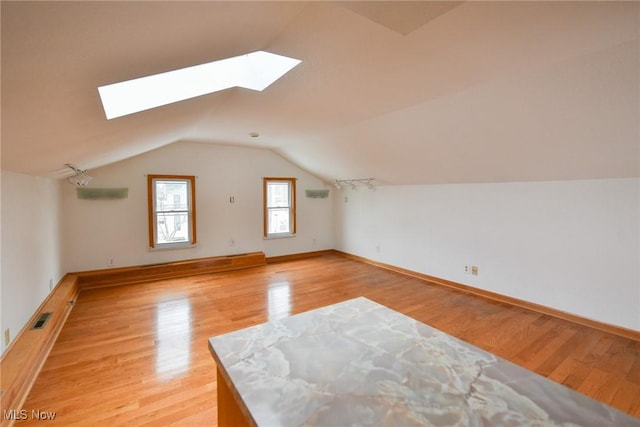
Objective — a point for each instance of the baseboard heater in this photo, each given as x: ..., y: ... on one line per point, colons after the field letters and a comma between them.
x: 145, y: 273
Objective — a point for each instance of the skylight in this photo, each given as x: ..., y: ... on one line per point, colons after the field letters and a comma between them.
x: 256, y: 71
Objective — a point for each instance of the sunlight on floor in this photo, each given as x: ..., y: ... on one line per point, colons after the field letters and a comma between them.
x: 279, y: 300
x: 173, y: 334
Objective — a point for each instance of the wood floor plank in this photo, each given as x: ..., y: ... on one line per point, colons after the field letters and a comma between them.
x: 137, y: 354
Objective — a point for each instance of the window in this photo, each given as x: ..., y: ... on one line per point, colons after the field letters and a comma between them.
x: 279, y: 206
x: 172, y: 210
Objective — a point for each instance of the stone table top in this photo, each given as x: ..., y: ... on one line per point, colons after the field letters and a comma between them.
x: 359, y: 363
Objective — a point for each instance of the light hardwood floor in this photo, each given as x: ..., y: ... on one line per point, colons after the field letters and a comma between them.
x: 137, y: 354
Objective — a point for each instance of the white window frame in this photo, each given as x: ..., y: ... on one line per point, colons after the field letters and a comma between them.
x: 292, y: 207
x: 191, y: 210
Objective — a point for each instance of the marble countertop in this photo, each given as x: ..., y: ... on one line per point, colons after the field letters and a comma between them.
x: 359, y: 363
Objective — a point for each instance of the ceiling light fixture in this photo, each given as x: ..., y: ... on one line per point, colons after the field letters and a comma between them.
x: 79, y: 177
x: 255, y: 71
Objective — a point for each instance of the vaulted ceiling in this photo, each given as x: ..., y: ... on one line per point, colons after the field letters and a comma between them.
x: 405, y: 92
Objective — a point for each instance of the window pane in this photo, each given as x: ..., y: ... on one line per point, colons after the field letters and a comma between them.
x: 278, y: 221
x: 278, y: 194
x: 172, y: 227
x: 172, y: 196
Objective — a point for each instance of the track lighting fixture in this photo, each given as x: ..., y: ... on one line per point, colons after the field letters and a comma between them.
x: 367, y: 182
x: 79, y: 177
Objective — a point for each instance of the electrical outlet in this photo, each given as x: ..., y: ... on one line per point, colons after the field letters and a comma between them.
x: 232, y: 242
x: 474, y: 270
x: 314, y: 241
x: 378, y: 248
x: 50, y: 284
x: 467, y: 269
x: 110, y: 262
x: 7, y: 336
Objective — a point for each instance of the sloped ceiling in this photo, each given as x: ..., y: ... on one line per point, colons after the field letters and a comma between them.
x: 405, y: 92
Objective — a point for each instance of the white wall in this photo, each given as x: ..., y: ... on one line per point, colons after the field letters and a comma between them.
x: 96, y: 230
x: 570, y: 245
x: 31, y: 250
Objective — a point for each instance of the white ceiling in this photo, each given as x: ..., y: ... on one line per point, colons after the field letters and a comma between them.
x: 406, y: 92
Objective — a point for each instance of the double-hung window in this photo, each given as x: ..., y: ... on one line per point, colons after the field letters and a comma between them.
x: 172, y: 210
x: 279, y: 195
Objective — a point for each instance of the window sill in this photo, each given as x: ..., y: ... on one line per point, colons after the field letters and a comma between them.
x: 173, y: 246
x: 279, y: 236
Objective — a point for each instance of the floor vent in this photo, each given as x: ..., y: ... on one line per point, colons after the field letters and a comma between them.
x: 42, y: 321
